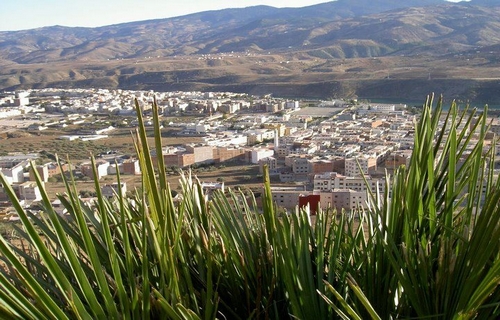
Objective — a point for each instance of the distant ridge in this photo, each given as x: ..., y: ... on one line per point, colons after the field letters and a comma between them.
x: 327, y: 42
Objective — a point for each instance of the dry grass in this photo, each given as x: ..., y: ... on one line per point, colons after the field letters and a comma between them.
x: 48, y: 140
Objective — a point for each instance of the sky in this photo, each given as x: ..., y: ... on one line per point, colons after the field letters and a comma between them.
x: 29, y: 14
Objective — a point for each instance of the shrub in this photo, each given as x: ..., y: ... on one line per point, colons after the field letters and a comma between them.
x: 431, y: 249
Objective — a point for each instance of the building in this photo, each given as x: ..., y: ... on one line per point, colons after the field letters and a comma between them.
x: 229, y: 107
x: 300, y: 165
x: 209, y: 187
x: 320, y: 165
x: 259, y: 154
x: 282, y: 151
x: 270, y: 162
x: 259, y: 135
x: 357, y: 166
x: 131, y: 166
x: 12, y: 160
x: 21, y: 99
x: 59, y: 208
x: 329, y: 181
x: 288, y: 199
x: 310, y: 201
x: 43, y: 172
x: 101, y: 169
x: 343, y: 199
x: 225, y: 154
x: 14, y: 174
x: 294, y: 105
x: 202, y: 153
x: 110, y: 190
x: 397, y: 159
x: 180, y: 160
x: 29, y: 191
x: 3, y: 194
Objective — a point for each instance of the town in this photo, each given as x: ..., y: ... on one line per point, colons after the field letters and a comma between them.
x: 320, y: 153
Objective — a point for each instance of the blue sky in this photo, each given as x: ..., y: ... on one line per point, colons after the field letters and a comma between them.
x: 28, y: 14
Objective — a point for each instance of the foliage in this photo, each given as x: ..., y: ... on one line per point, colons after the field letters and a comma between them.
x: 427, y: 247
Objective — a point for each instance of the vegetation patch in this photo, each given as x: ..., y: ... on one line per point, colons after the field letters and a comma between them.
x: 428, y: 248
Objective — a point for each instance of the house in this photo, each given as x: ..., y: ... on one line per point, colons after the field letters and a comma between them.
x: 131, y: 166
x: 59, y: 208
x: 101, y: 168
x: 29, y: 191
x: 261, y: 153
x: 113, y: 189
x: 14, y: 174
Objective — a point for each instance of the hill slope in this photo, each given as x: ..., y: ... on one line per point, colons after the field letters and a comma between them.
x: 265, y: 47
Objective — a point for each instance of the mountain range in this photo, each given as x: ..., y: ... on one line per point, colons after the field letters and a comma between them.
x: 344, y: 47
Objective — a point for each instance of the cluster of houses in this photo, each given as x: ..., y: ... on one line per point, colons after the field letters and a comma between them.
x: 329, y: 162
x: 19, y: 172
x: 122, y: 102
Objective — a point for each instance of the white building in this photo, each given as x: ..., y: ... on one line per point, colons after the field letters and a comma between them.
x: 29, y: 191
x: 101, y: 168
x: 343, y: 199
x: 258, y: 154
x: 14, y: 174
x: 329, y: 181
x: 212, y: 186
x: 294, y: 105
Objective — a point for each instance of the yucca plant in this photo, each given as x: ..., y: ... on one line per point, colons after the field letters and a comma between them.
x: 224, y: 257
x: 433, y: 245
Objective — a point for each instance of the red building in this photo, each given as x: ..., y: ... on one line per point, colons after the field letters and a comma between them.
x: 312, y: 200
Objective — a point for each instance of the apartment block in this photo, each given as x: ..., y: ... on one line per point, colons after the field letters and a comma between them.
x: 282, y: 151
x: 358, y: 166
x: 43, y: 172
x: 397, y: 159
x: 180, y: 159
x: 288, y: 199
x: 310, y: 201
x: 3, y: 194
x: 332, y: 180
x: 270, y: 162
x: 320, y: 165
x: 301, y: 165
x: 54, y: 168
x: 340, y: 199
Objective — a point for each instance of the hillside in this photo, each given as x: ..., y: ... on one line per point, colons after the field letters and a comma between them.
x: 345, y: 43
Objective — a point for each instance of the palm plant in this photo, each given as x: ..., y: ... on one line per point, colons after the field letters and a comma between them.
x: 427, y: 248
